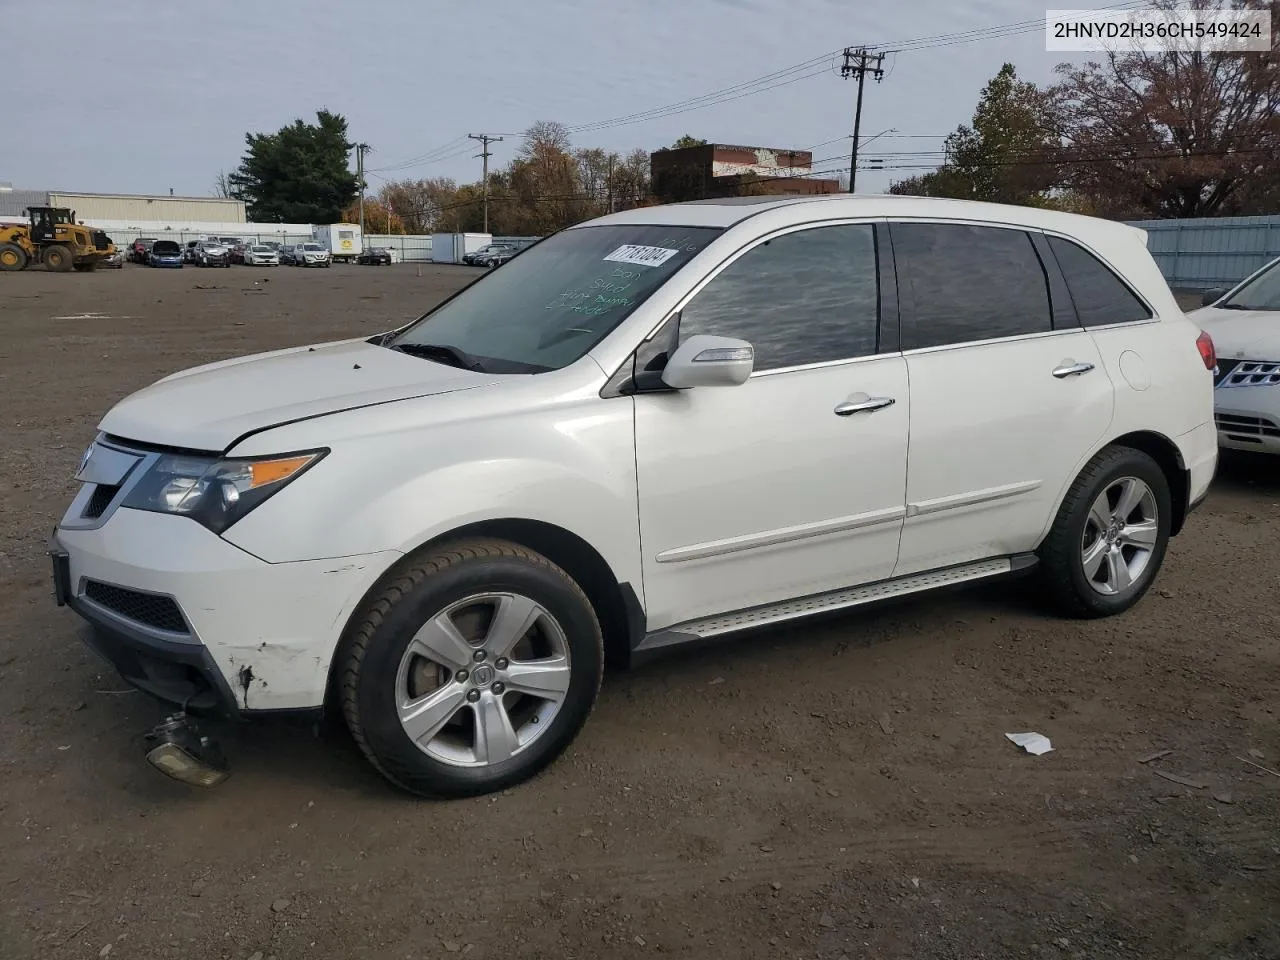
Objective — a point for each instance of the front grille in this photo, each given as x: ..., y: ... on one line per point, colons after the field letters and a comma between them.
x: 100, y: 500
x: 1251, y: 429
x: 145, y: 608
x: 1247, y: 373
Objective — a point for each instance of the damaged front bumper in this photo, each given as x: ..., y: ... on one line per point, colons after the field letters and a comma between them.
x: 199, y: 623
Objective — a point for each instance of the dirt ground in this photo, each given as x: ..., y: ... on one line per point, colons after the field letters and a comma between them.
x: 834, y: 790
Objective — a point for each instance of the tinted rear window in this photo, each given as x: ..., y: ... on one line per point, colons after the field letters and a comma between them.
x: 1099, y: 295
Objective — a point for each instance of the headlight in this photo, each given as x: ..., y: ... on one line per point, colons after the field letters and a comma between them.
x: 215, y: 493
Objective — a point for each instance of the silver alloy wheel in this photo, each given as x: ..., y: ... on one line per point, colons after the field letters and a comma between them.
x: 1120, y: 535
x: 483, y: 679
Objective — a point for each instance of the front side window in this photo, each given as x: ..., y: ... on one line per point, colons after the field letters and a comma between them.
x: 968, y: 283
x: 547, y: 307
x: 1099, y: 295
x: 1260, y: 293
x: 811, y: 296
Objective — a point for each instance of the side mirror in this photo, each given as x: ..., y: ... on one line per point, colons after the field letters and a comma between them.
x: 1212, y: 296
x: 706, y: 361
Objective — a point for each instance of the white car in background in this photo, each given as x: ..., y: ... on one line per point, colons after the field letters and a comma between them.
x: 311, y: 255
x: 260, y: 255
x: 1245, y: 325
x: 657, y: 427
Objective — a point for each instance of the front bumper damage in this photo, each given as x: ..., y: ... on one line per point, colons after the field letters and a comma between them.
x: 198, y: 623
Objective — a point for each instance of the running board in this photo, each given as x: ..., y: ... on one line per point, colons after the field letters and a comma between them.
x: 786, y: 610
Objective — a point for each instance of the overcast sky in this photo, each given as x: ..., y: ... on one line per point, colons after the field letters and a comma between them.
x: 160, y: 95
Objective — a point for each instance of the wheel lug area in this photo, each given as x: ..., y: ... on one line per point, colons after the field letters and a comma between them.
x: 473, y: 695
x: 498, y: 688
x: 461, y: 676
x: 501, y: 663
x: 479, y: 656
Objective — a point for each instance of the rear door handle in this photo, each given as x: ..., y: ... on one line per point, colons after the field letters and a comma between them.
x: 1072, y: 370
x: 848, y: 409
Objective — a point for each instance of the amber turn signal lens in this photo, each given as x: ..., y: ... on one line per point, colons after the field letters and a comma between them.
x: 263, y: 472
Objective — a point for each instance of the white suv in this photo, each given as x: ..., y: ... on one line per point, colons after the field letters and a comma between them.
x: 1242, y: 322
x: 662, y: 425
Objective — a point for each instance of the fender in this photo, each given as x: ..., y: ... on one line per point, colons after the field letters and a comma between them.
x: 411, y: 471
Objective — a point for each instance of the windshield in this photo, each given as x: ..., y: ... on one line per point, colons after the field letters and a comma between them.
x: 547, y: 307
x: 1261, y: 293
x: 312, y: 246
x: 165, y: 248
x: 260, y: 249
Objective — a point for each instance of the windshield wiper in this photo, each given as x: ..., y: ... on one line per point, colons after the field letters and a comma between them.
x: 442, y: 353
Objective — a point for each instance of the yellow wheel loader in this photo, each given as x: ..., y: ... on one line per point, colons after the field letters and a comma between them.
x: 55, y: 239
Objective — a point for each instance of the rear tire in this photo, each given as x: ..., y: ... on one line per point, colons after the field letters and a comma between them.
x: 1109, y: 538
x: 12, y: 257
x: 58, y: 259
x: 434, y: 695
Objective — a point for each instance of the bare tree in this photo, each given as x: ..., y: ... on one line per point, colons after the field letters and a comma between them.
x: 1178, y: 134
x: 222, y: 185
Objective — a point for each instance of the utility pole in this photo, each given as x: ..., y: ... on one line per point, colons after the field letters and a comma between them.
x: 609, y: 183
x: 858, y: 63
x: 361, y: 150
x: 485, y: 140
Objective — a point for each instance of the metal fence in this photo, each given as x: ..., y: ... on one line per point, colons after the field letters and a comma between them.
x: 1212, y: 251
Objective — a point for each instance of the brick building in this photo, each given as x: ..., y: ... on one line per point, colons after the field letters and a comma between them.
x: 720, y: 170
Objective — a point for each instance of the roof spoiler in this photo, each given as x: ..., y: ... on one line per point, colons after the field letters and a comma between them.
x: 1139, y: 232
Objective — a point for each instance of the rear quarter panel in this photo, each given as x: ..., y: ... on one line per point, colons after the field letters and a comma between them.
x: 1161, y: 384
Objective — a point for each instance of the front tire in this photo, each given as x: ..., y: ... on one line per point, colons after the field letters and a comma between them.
x: 1109, y: 538
x: 12, y: 257
x: 472, y: 670
x: 58, y: 259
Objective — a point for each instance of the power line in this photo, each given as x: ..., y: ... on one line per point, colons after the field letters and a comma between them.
x: 804, y: 70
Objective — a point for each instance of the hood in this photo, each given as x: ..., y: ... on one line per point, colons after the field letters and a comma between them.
x: 209, y: 407
x: 1241, y: 334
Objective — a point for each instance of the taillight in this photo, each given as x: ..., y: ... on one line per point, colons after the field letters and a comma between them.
x: 1204, y: 343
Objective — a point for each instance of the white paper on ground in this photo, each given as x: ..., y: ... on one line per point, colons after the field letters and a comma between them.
x: 1036, y: 743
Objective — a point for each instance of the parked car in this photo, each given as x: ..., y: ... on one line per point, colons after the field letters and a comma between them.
x: 229, y: 242
x: 165, y: 253
x: 115, y: 261
x: 237, y: 251
x: 260, y: 255
x: 487, y: 253
x: 310, y: 254
x: 189, y: 251
x: 137, y: 252
x: 501, y: 257
x: 287, y: 255
x: 656, y: 427
x: 211, y: 254
x: 1243, y: 324
x: 375, y: 256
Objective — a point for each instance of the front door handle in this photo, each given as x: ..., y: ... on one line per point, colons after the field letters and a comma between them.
x: 1072, y: 370
x: 848, y: 409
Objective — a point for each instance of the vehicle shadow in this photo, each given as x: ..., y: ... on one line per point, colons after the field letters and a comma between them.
x: 1247, y: 472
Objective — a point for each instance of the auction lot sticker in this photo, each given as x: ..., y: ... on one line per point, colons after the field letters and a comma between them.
x: 641, y: 256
